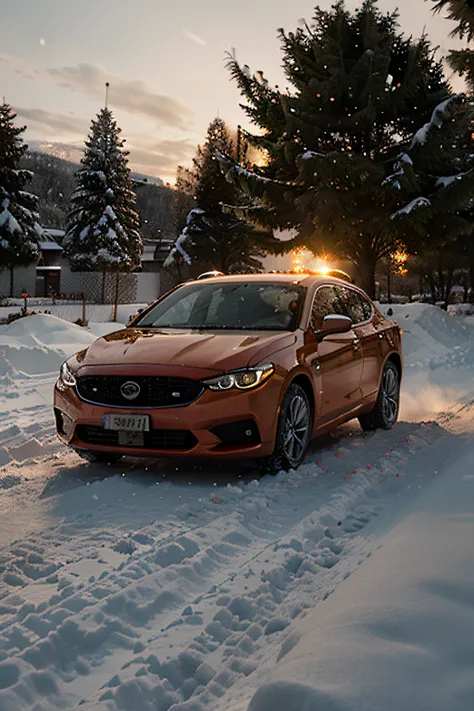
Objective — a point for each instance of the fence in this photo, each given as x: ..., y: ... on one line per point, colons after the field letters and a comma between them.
x: 100, y: 288
x: 73, y: 310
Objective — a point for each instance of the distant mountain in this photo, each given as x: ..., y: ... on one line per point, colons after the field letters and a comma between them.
x: 73, y: 154
x: 54, y: 181
x: 65, y: 151
x: 142, y: 178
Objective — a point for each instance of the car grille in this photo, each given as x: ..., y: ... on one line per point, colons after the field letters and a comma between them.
x: 154, y: 391
x: 177, y: 440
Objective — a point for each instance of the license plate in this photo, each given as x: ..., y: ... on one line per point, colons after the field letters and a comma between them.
x: 126, y: 423
x: 130, y: 439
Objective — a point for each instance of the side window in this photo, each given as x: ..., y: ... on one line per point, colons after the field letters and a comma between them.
x: 353, y: 305
x: 326, y: 302
x: 367, y: 307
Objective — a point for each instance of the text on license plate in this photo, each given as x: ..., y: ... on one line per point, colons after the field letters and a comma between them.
x: 126, y: 423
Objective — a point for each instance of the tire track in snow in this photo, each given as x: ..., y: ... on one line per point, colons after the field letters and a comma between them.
x: 202, y: 570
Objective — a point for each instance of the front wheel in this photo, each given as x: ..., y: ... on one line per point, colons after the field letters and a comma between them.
x: 385, y: 411
x: 293, y: 431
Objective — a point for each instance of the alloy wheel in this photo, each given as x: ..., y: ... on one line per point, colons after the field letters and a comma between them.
x: 296, y: 429
x: 390, y: 395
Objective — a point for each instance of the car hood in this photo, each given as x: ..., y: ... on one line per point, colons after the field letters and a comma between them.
x: 214, y: 352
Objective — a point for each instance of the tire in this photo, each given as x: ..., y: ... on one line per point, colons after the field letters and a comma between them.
x: 99, y: 457
x: 295, y: 424
x: 385, y: 411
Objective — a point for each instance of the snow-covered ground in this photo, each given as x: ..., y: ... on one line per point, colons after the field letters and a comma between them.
x: 344, y: 586
x: 31, y: 353
x: 96, y: 313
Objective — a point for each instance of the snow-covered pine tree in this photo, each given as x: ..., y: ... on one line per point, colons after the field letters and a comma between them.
x: 462, y: 62
x: 441, y: 157
x: 212, y: 238
x: 19, y: 221
x: 358, y: 89
x: 103, y: 224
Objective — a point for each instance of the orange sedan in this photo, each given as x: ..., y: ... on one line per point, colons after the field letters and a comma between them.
x: 248, y: 366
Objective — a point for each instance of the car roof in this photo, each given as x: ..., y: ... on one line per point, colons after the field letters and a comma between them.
x: 303, y: 279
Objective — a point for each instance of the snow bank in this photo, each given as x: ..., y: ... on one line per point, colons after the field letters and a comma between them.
x: 39, y: 344
x: 461, y: 309
x: 36, y: 346
x: 438, y: 358
x: 98, y: 313
x: 397, y: 634
x: 429, y: 333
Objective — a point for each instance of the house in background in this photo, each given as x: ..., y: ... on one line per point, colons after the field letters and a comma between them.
x: 41, y: 277
x: 52, y: 275
x: 50, y: 263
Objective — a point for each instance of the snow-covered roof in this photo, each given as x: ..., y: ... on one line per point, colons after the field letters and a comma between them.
x: 53, y: 232
x: 50, y: 246
x: 51, y: 239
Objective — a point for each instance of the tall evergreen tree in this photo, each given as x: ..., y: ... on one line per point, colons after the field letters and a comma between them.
x: 359, y: 91
x: 462, y: 61
x: 103, y: 225
x: 441, y: 156
x: 211, y: 237
x: 19, y: 226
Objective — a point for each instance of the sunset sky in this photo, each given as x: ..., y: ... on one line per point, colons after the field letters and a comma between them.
x: 164, y: 62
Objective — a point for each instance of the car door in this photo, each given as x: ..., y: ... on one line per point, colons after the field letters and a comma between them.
x: 336, y: 362
x: 369, y: 336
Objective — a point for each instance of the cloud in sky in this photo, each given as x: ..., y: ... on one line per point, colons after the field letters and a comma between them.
x: 54, y: 123
x: 19, y: 66
x: 195, y: 38
x: 160, y: 158
x: 133, y: 95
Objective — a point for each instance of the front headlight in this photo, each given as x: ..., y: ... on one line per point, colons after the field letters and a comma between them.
x: 66, y: 378
x: 241, y: 379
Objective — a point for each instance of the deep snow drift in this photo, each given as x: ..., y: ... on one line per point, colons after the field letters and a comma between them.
x: 161, y: 587
x: 398, y: 634
x: 31, y: 352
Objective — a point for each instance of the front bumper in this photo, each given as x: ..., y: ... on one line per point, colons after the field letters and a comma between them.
x: 219, y: 425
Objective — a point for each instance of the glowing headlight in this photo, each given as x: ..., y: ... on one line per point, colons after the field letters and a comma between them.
x: 241, y: 379
x: 66, y: 378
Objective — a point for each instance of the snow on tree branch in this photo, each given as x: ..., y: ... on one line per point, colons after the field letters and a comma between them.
x: 439, y: 115
x: 413, y: 205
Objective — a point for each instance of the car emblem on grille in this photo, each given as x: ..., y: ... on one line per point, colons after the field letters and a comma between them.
x: 130, y: 390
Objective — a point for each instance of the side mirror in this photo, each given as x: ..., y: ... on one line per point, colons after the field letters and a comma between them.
x: 334, y: 324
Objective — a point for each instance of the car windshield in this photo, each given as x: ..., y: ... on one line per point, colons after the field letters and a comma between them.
x: 233, y: 305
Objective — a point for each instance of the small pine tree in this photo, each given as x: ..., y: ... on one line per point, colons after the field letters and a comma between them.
x: 212, y: 238
x: 359, y: 89
x: 19, y: 226
x: 103, y: 225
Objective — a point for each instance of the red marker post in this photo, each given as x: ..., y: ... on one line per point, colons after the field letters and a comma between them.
x: 25, y: 296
